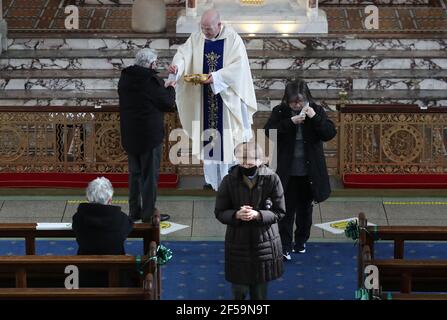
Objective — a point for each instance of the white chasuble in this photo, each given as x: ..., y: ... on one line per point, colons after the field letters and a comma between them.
x: 233, y: 84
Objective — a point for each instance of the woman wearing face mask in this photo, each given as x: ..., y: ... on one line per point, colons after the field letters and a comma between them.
x: 302, y: 127
x: 250, y: 201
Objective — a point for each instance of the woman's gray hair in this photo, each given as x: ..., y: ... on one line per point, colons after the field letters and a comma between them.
x: 145, y: 57
x: 100, y: 191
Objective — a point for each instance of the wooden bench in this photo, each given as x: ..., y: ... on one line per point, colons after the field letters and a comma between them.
x: 399, y: 274
x: 79, y: 294
x: 20, y: 267
x: 413, y: 296
x: 398, y: 234
x: 147, y: 231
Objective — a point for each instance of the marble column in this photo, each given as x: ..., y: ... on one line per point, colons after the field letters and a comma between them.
x: 3, y: 30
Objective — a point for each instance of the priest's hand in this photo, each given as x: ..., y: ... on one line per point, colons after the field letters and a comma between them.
x: 209, y: 80
x: 173, y: 69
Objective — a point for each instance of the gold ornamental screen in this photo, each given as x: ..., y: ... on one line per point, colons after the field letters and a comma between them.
x: 393, y: 140
x: 67, y: 139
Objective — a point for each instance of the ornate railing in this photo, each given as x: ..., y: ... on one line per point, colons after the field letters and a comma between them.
x: 87, y: 140
x: 392, y: 140
x: 67, y: 139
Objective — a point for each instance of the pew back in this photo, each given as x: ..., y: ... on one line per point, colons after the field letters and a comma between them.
x: 22, y: 266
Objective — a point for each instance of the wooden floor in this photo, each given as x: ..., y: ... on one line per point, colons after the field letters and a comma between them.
x: 49, y: 16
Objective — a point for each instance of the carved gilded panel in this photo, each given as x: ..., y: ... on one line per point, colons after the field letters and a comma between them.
x: 393, y: 142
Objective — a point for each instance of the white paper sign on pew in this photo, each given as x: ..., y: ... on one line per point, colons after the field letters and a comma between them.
x: 166, y: 227
x: 53, y: 226
x: 338, y: 226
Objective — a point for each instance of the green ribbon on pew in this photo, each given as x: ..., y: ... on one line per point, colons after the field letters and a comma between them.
x: 352, y: 231
x: 163, y: 256
x: 361, y: 294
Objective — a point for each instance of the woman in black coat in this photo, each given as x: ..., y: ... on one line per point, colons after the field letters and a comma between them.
x: 302, y: 127
x: 250, y: 201
x: 100, y: 229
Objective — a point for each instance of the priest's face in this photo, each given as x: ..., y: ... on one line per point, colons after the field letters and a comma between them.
x: 210, y: 29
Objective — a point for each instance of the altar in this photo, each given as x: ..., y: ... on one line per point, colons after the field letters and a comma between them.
x: 258, y: 16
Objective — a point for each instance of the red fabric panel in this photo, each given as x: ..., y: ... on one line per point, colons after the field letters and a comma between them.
x: 400, y: 181
x: 73, y: 180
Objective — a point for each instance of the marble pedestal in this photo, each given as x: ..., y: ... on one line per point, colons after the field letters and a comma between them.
x: 274, y: 17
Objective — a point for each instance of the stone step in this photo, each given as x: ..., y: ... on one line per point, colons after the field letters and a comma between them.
x: 253, y: 54
x: 265, y: 95
x: 385, y: 43
x: 257, y: 74
x: 92, y: 83
x: 265, y: 63
x: 263, y: 105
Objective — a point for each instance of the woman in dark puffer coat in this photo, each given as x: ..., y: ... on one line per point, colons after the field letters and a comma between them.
x: 250, y: 201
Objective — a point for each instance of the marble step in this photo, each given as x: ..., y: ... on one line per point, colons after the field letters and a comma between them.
x: 253, y: 54
x: 324, y: 43
x: 261, y: 95
x: 263, y: 105
x: 92, y: 83
x: 257, y: 74
x: 265, y: 63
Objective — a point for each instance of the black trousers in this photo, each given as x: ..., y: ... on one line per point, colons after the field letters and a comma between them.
x: 299, y: 207
x: 257, y: 291
x: 143, y: 178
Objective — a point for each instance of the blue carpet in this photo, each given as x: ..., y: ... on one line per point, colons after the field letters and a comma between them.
x: 196, y: 272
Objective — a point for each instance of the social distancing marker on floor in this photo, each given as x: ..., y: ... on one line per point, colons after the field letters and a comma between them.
x: 415, y: 202
x: 167, y: 227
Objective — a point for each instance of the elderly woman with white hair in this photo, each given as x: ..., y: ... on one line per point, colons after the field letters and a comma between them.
x: 100, y: 228
x: 144, y: 98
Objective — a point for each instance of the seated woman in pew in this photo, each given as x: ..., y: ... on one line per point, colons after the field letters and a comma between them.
x: 100, y: 229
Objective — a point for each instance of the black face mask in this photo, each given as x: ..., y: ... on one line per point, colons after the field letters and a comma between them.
x: 248, y: 172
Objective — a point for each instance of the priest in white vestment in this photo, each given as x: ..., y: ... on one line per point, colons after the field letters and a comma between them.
x: 225, y: 102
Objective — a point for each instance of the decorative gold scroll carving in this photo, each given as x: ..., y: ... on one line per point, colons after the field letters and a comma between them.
x: 73, y: 141
x: 393, y: 142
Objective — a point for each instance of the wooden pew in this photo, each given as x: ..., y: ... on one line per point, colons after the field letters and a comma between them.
x: 399, y: 274
x: 413, y: 296
x: 147, y: 231
x: 397, y: 234
x: 427, y: 275
x: 20, y: 267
